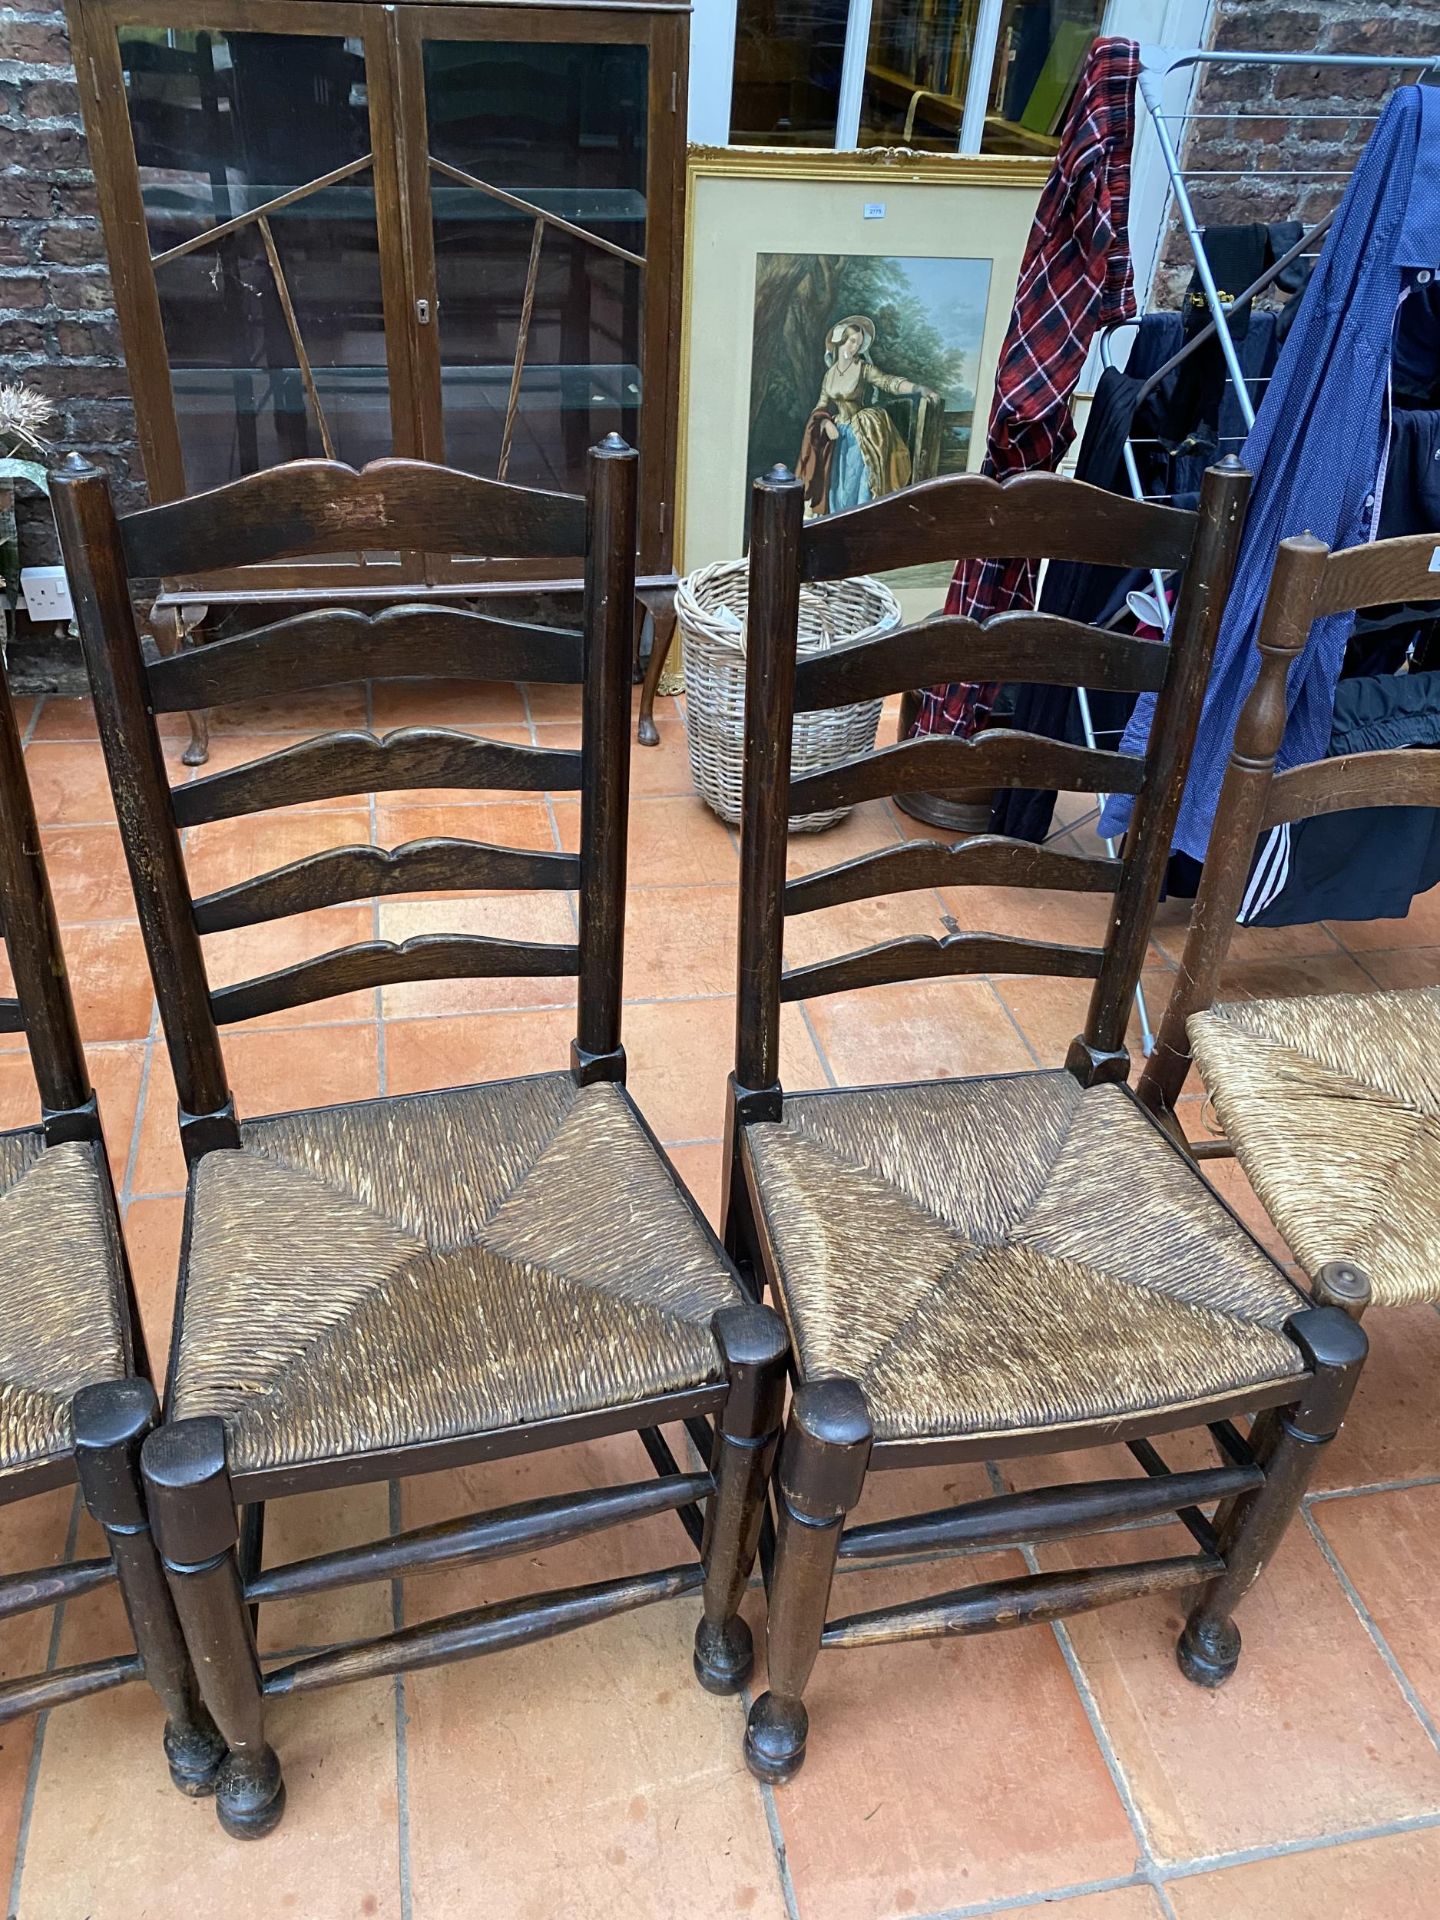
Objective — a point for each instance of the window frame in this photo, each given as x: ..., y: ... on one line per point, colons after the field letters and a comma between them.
x: 712, y: 68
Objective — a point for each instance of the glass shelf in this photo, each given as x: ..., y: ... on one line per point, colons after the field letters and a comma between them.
x: 174, y: 201
x: 579, y: 387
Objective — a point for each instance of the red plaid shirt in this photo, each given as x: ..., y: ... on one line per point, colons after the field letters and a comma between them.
x: 1075, y: 278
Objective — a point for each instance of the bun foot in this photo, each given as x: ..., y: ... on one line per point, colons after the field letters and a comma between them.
x: 775, y: 1739
x: 195, y: 1759
x: 250, y: 1794
x: 1209, y: 1654
x: 724, y: 1656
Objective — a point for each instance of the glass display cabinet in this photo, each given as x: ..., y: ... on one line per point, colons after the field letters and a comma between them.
x: 349, y: 230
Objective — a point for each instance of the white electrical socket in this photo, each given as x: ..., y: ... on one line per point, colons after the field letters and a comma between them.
x: 46, y: 593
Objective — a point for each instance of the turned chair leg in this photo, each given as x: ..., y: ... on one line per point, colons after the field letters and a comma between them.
x: 1289, y: 1446
x: 192, y: 1509
x: 111, y: 1422
x: 754, y: 1347
x: 822, y: 1471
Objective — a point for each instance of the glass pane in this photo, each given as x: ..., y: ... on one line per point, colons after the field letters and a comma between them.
x: 275, y: 330
x: 561, y: 130
x: 918, y: 67
x: 1043, y: 44
x: 916, y: 71
x: 788, y: 56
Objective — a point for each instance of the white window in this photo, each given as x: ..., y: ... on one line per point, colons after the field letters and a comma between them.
x: 966, y: 76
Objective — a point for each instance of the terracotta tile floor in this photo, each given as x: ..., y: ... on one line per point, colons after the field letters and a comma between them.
x: 1069, y: 1772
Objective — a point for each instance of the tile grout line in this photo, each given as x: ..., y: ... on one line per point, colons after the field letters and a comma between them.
x: 42, y: 1721
x: 1099, y: 1733
x: 821, y: 1055
x: 1024, y: 1902
x: 1372, y: 1627
x: 1203, y: 1864
x: 28, y: 731
x: 1200, y: 1867
x: 772, y: 1821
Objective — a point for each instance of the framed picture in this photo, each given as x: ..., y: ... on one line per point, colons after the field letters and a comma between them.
x: 844, y: 314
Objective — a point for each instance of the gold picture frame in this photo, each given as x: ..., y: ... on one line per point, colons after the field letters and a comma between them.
x: 886, y: 203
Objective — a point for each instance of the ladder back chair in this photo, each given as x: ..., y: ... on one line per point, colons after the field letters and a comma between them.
x: 1330, y: 1102
x: 390, y: 1287
x: 75, y: 1397
x: 976, y: 1268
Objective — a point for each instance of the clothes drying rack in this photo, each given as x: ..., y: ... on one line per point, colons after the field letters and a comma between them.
x: 1157, y: 66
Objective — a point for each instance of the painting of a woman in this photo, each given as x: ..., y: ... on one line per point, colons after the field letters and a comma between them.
x: 851, y: 450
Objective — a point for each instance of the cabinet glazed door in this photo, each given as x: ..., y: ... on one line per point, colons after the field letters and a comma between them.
x: 265, y: 174
x: 533, y: 174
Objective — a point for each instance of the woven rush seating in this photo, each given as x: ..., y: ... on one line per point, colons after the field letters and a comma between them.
x: 526, y: 1229
x: 61, y: 1324
x: 1332, y: 1105
x: 1100, y: 1277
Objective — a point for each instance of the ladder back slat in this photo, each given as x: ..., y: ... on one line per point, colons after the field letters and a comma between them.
x: 333, y: 646
x: 1373, y: 576
x: 323, y: 506
x: 384, y: 963
x: 337, y: 764
x: 988, y: 860
x: 1386, y: 778
x: 1034, y: 516
x: 995, y: 758
x: 920, y: 956
x: 1037, y: 647
x: 357, y: 873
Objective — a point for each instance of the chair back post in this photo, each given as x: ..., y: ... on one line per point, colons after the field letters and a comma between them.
x: 1289, y: 613
x: 95, y: 563
x: 1100, y: 1053
x: 777, y: 517
x: 37, y: 960
x: 605, y: 754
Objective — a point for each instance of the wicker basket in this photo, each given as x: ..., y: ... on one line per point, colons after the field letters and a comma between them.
x: 710, y: 607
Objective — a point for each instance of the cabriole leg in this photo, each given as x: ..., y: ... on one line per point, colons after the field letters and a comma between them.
x: 822, y: 1470
x: 111, y: 1422
x: 1293, y: 1441
x: 753, y: 1344
x: 659, y: 603
x: 196, y: 1527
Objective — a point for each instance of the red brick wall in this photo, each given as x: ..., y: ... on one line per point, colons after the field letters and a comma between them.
x: 1279, y: 122
x: 57, y: 316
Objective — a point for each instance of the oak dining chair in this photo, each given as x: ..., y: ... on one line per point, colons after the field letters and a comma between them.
x: 398, y: 1285
x: 973, y: 1269
x: 1330, y: 1102
x: 75, y: 1396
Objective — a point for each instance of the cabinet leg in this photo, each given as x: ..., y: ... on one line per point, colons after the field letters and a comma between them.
x: 192, y: 1509
x: 173, y: 633
x: 112, y: 1421
x: 753, y: 1343
x: 659, y: 602
x: 822, y: 1472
